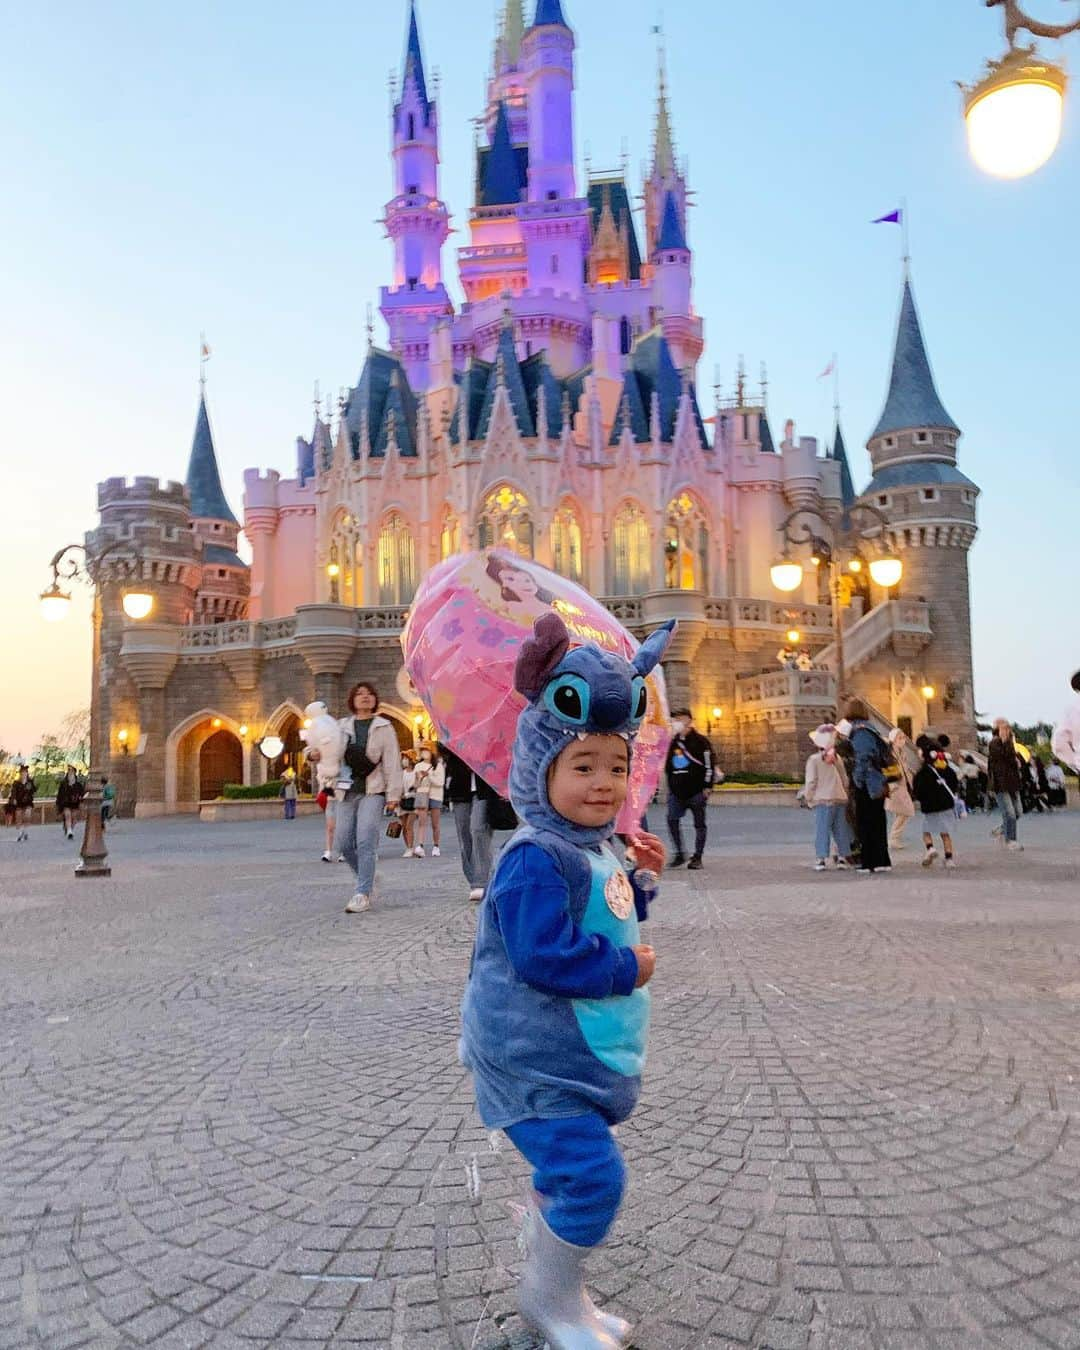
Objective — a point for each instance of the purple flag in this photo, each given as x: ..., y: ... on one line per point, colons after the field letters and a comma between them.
x: 893, y: 218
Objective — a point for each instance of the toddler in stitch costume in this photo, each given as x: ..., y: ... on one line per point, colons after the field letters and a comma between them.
x: 555, y: 1015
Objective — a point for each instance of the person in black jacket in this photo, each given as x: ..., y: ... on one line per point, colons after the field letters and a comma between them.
x: 1004, y: 770
x: 936, y: 789
x: 469, y: 798
x: 690, y: 775
x: 69, y: 795
x: 21, y: 798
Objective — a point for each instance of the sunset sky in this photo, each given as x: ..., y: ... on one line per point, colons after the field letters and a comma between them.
x: 221, y: 167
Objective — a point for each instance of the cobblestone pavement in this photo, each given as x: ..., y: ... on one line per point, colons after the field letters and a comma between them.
x: 231, y: 1115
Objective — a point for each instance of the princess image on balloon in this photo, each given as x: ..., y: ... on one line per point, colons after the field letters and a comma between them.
x: 518, y: 587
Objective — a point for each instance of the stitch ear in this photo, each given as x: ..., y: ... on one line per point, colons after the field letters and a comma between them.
x: 649, y: 654
x: 540, y: 655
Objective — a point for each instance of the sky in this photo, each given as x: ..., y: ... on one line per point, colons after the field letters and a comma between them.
x: 221, y: 166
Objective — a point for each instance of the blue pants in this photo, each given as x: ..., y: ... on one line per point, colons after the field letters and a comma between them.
x: 578, y: 1173
x: 357, y: 825
x: 831, y: 822
x: 1009, y: 804
x: 290, y: 808
x: 676, y: 809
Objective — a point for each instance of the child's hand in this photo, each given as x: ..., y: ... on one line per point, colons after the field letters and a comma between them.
x: 649, y: 852
x: 646, y: 964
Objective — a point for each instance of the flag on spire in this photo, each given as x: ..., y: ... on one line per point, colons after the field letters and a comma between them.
x: 828, y: 370
x: 893, y: 218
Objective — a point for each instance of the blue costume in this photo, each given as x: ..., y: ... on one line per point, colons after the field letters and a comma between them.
x: 554, y: 1030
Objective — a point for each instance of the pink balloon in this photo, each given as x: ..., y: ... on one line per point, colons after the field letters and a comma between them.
x: 466, y: 626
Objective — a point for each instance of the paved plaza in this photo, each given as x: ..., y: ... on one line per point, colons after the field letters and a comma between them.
x: 232, y: 1116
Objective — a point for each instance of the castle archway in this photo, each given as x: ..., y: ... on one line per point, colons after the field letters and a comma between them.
x: 184, y: 787
x: 221, y: 761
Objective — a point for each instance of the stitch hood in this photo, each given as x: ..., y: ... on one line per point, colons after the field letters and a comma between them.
x: 573, y: 692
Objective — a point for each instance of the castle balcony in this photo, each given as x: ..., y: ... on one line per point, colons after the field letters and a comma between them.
x: 784, y: 692
x: 903, y: 625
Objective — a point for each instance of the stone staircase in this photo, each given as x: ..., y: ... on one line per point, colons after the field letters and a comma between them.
x: 903, y: 625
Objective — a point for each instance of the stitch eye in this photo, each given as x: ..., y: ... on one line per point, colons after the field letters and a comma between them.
x: 639, y: 698
x: 568, y: 698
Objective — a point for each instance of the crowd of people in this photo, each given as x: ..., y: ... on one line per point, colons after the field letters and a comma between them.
x: 70, y: 792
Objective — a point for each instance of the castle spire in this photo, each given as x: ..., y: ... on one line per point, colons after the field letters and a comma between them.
x: 672, y: 236
x: 663, y: 141
x: 414, y: 63
x: 511, y: 31
x: 913, y: 399
x: 203, y: 480
x: 549, y: 12
x: 839, y: 453
x: 502, y: 180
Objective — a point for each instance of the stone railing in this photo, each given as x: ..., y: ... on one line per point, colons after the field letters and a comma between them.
x: 627, y: 609
x: 386, y: 619
x: 903, y: 623
x: 241, y: 633
x: 785, y: 688
x: 771, y: 614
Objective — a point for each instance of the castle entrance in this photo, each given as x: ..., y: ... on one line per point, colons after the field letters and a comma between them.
x: 221, y: 761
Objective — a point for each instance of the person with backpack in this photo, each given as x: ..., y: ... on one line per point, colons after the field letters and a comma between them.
x: 870, y: 788
x: 690, y: 774
x: 937, y: 790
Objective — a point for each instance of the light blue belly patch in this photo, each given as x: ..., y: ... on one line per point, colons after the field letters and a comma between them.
x: 615, y: 1029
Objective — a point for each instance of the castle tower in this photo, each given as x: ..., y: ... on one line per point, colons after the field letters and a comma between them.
x: 672, y: 286
x: 507, y: 83
x: 663, y: 178
x: 548, y: 57
x: 932, y: 509
x: 416, y: 218
x: 225, y: 583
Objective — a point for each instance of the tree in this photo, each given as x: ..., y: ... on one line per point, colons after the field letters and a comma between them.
x: 75, y: 736
x: 50, y: 755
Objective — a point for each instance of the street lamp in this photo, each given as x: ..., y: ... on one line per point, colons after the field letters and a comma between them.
x: 124, y: 565
x: 1014, y: 112
x: 886, y: 568
x: 271, y: 747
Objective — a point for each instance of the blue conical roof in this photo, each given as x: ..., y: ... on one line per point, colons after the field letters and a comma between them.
x: 672, y: 234
x: 414, y: 62
x: 847, y: 483
x: 502, y: 180
x: 203, y: 479
x: 913, y: 398
x: 549, y: 12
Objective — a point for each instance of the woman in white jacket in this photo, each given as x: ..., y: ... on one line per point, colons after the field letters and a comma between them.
x: 1066, y: 743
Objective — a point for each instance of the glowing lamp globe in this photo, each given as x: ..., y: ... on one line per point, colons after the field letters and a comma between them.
x: 793, y: 635
x: 1014, y: 114
x: 138, y: 604
x: 786, y: 575
x: 271, y: 747
x: 928, y: 692
x: 886, y: 571
x: 54, y: 604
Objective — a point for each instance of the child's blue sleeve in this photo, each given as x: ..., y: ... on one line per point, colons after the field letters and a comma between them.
x: 546, y: 948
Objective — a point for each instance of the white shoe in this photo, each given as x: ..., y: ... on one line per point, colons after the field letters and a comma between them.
x: 408, y: 853
x: 820, y: 865
x: 950, y: 864
x: 476, y: 894
x: 929, y: 857
x: 436, y: 852
x: 328, y: 856
x: 359, y: 904
x: 1014, y: 846
x: 418, y: 851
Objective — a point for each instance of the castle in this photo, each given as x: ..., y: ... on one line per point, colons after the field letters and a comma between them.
x: 554, y: 413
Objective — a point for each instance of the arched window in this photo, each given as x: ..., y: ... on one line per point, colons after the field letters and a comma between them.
x: 412, y: 126
x: 631, y: 571
x: 344, y: 583
x: 566, y: 551
x: 506, y: 522
x: 626, y: 336
x: 450, y: 537
x: 686, y: 546
x: 397, y: 562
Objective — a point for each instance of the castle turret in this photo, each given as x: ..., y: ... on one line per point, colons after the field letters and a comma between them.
x: 547, y: 52
x: 663, y: 178
x: 225, y: 584
x: 507, y: 83
x: 931, y: 507
x: 416, y: 218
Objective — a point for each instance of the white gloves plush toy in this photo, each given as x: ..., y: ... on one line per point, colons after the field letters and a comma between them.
x: 327, y: 737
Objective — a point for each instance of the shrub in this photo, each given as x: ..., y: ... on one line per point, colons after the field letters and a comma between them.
x: 762, y: 779
x: 236, y: 792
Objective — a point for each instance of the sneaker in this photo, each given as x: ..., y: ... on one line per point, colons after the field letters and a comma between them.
x: 820, y: 865
x: 436, y: 852
x: 842, y: 864
x: 950, y: 864
x: 359, y: 904
x: 328, y: 856
x: 476, y: 894
x: 408, y: 853
x: 1014, y: 846
x: 885, y: 869
x: 679, y: 860
x: 695, y: 864
x: 418, y: 851
x: 929, y: 857
x: 866, y: 871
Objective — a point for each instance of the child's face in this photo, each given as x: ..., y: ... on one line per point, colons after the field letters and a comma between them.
x: 587, y: 783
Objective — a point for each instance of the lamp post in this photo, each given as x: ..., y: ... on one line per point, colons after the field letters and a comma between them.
x: 1013, y: 113
x: 885, y: 567
x: 125, y: 566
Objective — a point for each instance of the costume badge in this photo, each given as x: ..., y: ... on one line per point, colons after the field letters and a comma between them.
x: 619, y: 894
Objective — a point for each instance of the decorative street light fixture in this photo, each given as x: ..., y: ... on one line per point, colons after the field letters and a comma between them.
x: 125, y: 566
x: 1014, y: 112
x: 787, y: 573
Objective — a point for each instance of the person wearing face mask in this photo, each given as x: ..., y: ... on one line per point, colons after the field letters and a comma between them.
x: 690, y: 775
x: 430, y: 790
